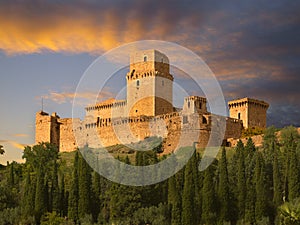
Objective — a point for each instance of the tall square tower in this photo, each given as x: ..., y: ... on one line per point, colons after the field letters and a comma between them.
x: 252, y: 112
x: 149, y: 84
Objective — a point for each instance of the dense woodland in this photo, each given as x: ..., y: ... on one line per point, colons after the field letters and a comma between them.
x: 245, y: 185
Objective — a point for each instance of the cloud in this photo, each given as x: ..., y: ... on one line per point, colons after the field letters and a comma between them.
x: 20, y: 135
x: 85, y: 97
x: 14, y: 144
x: 37, y: 26
x: 251, y: 46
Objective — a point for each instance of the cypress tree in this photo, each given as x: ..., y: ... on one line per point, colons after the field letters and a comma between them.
x: 41, y: 196
x: 96, y: 195
x: 261, y: 195
x: 188, y: 215
x: 11, y: 174
x: 28, y: 198
x: 174, y: 201
x: 63, y: 204
x: 74, y: 192
x: 224, y: 194
x: 208, y: 197
x: 85, y: 187
x: 250, y: 147
x: 250, y: 187
x: 293, y: 175
x: 277, y: 184
x: 55, y: 190
x: 241, y: 181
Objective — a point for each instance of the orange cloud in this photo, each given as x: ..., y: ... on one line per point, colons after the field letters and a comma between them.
x: 63, y: 97
x: 72, y: 29
x: 14, y: 144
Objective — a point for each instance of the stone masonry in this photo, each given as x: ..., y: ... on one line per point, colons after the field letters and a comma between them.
x: 147, y: 111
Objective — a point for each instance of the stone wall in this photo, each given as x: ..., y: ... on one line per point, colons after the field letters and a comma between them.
x: 252, y: 112
x: 46, y: 128
x: 67, y: 140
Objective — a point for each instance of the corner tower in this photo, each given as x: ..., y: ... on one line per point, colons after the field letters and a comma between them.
x: 149, y: 84
x: 252, y: 112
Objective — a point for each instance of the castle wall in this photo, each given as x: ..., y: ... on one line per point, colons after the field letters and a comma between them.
x: 42, y: 127
x: 252, y: 112
x: 47, y: 128
x: 140, y: 96
x: 108, y: 109
x: 240, y: 111
x: 233, y: 128
x: 257, y: 115
x: 164, y: 96
x: 67, y: 141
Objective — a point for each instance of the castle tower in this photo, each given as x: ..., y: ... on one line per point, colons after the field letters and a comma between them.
x: 252, y: 112
x: 47, y: 128
x: 149, y: 84
x: 194, y: 104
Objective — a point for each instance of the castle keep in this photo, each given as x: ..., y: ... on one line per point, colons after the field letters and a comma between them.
x: 147, y: 111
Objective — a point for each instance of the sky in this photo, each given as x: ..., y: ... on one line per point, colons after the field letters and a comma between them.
x: 252, y: 47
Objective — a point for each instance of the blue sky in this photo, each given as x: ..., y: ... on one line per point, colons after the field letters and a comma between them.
x: 45, y: 46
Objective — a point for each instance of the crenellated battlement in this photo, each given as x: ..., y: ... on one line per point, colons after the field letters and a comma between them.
x: 112, y: 103
x: 134, y: 75
x: 247, y: 102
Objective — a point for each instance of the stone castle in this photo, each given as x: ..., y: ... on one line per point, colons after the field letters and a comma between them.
x: 147, y: 111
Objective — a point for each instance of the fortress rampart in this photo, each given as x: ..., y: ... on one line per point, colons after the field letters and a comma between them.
x: 148, y: 111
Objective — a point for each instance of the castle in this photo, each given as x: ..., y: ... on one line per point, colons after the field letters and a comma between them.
x: 147, y: 111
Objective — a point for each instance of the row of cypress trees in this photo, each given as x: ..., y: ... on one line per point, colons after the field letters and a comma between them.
x: 244, y: 186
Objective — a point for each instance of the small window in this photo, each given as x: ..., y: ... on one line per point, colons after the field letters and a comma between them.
x: 162, y: 83
x: 138, y: 83
x: 136, y: 110
x: 189, y: 104
x: 239, y: 116
x: 185, y: 120
x: 145, y: 58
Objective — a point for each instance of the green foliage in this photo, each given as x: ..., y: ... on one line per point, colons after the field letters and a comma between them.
x: 74, y: 192
x: 10, y: 216
x: 224, y: 192
x: 188, y: 195
x: 209, y: 211
x: 252, y: 131
x: 85, y: 188
x: 245, y: 186
x: 290, y: 212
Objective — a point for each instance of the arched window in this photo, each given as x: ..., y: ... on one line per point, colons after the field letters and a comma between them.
x: 239, y: 116
x: 138, y: 83
x: 145, y: 58
x: 189, y: 104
